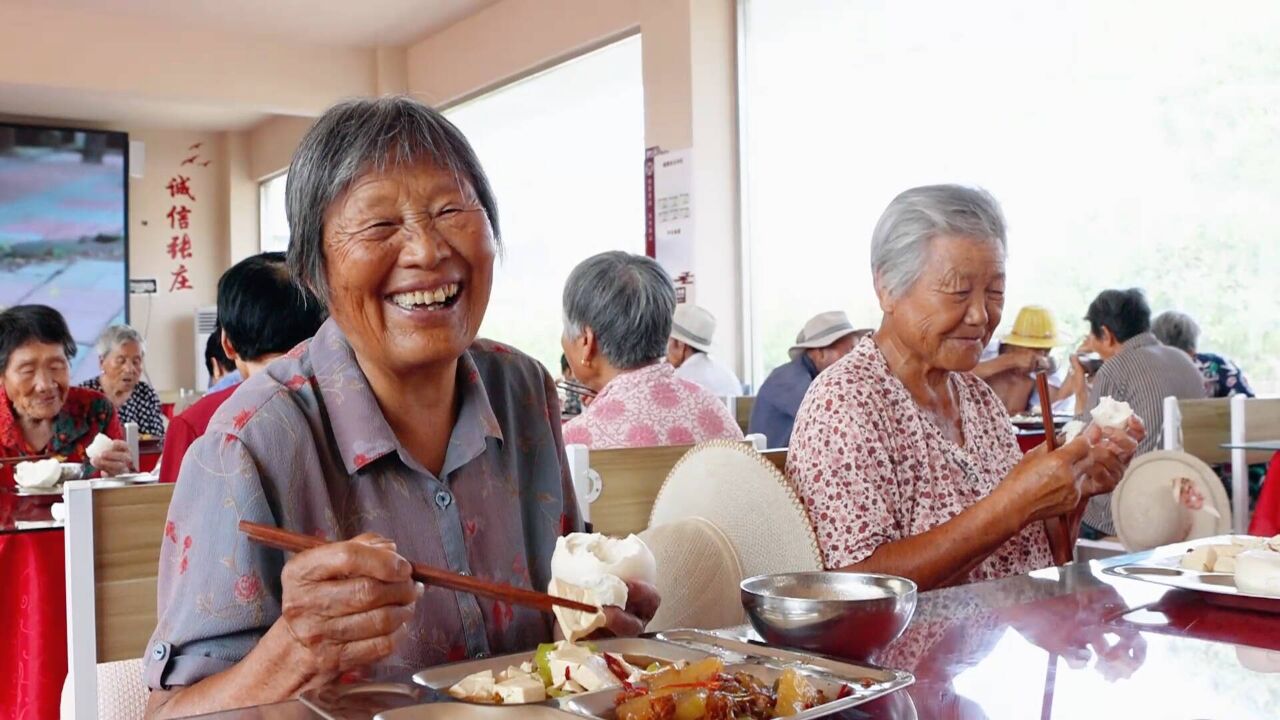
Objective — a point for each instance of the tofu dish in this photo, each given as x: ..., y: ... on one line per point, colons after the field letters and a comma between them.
x: 1254, y: 563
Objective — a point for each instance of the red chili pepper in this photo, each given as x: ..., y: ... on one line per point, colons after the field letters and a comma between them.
x: 845, y: 691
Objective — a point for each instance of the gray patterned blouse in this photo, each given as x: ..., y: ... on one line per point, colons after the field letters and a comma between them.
x: 303, y: 445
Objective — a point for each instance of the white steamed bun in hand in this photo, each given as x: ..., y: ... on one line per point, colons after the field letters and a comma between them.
x: 101, y: 443
x: 595, y: 569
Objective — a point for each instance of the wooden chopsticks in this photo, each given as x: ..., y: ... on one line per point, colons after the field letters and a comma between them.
x: 1058, y: 528
x: 290, y: 541
x: 25, y: 458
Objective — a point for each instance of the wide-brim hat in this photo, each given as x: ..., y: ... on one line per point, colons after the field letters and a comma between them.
x: 821, y: 330
x: 740, y: 492
x: 693, y: 326
x: 1168, y: 497
x: 699, y: 578
x: 1036, y: 328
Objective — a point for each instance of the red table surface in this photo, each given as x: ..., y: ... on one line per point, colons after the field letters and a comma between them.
x: 33, y: 600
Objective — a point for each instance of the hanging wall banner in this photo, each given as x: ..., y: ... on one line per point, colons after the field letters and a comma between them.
x: 673, y: 233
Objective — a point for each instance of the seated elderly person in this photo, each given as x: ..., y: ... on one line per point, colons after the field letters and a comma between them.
x: 120, y: 356
x: 1137, y: 369
x: 905, y: 458
x: 689, y: 352
x: 393, y: 432
x: 1021, y: 355
x: 40, y: 413
x: 262, y: 314
x: 222, y: 369
x: 617, y: 318
x: 1222, y: 378
x: 825, y: 338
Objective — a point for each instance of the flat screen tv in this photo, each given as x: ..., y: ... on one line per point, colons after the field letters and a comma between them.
x: 64, y: 228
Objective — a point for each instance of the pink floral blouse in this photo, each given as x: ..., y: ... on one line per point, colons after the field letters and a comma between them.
x: 873, y: 469
x: 651, y: 406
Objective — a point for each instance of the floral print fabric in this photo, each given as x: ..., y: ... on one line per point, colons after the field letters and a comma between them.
x: 873, y: 468
x: 303, y: 445
x: 650, y: 406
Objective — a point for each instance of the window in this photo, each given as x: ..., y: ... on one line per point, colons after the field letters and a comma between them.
x: 1130, y: 144
x: 274, y: 232
x: 564, y: 150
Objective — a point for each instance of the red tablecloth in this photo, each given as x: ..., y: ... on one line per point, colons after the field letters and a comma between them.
x: 33, y: 600
x: 1266, y: 516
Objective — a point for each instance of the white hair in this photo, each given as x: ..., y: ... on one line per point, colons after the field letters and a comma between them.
x: 115, y: 336
x: 901, y: 239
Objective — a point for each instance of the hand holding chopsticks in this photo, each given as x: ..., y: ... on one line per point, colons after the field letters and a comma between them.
x: 290, y: 541
x: 1061, y: 531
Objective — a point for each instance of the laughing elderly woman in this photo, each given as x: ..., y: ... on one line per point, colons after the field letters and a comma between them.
x: 393, y: 431
x: 121, y: 353
x: 905, y: 459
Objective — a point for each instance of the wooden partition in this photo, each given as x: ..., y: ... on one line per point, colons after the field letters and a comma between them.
x: 630, y: 479
x: 1206, y: 425
x: 128, y: 529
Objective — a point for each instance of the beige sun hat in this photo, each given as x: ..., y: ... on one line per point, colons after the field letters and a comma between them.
x: 693, y: 326
x: 699, y: 578
x: 821, y: 330
x: 736, y: 489
x: 1035, y: 327
x: 1168, y: 497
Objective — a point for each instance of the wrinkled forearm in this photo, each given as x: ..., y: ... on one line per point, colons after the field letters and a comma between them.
x: 270, y: 673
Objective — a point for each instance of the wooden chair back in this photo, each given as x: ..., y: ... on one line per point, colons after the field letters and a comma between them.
x: 742, y: 407
x: 629, y: 481
x: 778, y: 457
x: 113, y: 541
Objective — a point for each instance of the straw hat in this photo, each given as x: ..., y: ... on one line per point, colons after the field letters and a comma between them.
x: 693, y: 326
x: 1034, y: 328
x: 700, y: 575
x: 1168, y: 497
x: 741, y: 493
x: 821, y: 330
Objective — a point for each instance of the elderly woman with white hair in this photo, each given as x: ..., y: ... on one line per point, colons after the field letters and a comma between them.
x: 905, y: 458
x: 618, y: 311
x: 121, y: 354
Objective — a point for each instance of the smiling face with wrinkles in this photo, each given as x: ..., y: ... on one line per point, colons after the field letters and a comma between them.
x: 409, y: 263
x: 951, y: 311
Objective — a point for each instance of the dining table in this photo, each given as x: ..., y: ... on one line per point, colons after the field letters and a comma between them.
x: 1061, y: 642
x: 33, y: 601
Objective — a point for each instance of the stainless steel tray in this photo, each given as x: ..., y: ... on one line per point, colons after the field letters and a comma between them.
x: 865, y: 682
x: 1163, y: 567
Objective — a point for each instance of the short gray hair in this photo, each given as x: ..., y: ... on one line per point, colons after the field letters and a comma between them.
x: 1176, y: 329
x: 356, y: 137
x: 115, y: 336
x: 901, y: 239
x: 627, y: 300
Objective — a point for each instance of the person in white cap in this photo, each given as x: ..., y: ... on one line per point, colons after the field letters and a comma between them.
x: 688, y: 351
x: 826, y: 338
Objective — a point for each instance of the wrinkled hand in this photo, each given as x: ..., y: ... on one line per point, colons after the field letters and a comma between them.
x: 1045, y: 483
x: 1112, y: 450
x: 345, y: 604
x: 115, y: 460
x: 1025, y: 361
x: 642, y: 604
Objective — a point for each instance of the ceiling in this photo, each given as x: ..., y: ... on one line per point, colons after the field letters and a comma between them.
x: 111, y: 109
x: 364, y: 23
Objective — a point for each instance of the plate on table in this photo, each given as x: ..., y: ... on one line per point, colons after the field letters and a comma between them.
x: 1028, y: 421
x: 843, y: 684
x: 1163, y: 566
x: 138, y: 478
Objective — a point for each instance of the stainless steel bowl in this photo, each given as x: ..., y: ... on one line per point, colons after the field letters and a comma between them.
x: 843, y: 614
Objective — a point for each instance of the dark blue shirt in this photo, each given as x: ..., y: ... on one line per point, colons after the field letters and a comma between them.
x: 779, y: 398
